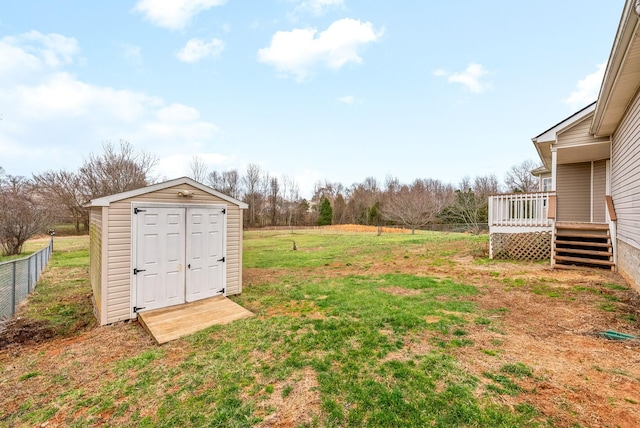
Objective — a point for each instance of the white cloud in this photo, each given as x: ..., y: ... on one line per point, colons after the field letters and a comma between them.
x: 471, y: 77
x: 298, y: 51
x: 173, y: 14
x: 347, y: 99
x: 587, y: 89
x: 318, y: 7
x: 51, y: 119
x: 34, y: 52
x: 197, y: 49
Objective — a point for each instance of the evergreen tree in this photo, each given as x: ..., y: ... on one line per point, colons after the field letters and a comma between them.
x: 326, y: 212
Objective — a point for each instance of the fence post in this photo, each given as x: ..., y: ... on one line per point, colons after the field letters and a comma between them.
x: 29, y: 279
x: 13, y: 289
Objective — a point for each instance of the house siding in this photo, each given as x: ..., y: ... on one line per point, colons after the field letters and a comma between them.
x: 625, y: 170
x: 599, y: 191
x: 573, y: 189
x: 625, y: 186
x: 118, y: 305
x: 579, y: 134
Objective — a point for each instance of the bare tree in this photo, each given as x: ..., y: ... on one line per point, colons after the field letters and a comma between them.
x: 274, y: 194
x: 327, y: 190
x: 115, y: 171
x: 291, y: 198
x: 198, y: 169
x: 64, y: 190
x: 470, y: 206
x: 227, y: 182
x: 251, y: 181
x: 231, y: 180
x: 22, y: 214
x: 418, y: 204
x: 486, y: 185
x: 391, y: 184
x: 520, y: 179
x: 363, y: 200
x: 339, y: 209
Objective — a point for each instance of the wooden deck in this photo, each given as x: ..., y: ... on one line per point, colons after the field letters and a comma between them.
x: 171, y: 323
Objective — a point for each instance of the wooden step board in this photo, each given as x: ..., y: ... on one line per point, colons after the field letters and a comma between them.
x: 582, y: 226
x: 601, y: 253
x: 582, y: 235
x: 584, y: 260
x: 586, y: 244
x: 171, y: 323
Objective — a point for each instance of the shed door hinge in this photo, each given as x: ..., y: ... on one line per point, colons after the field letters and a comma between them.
x: 222, y: 260
x: 138, y: 210
x: 135, y: 271
x: 136, y: 309
x: 224, y: 211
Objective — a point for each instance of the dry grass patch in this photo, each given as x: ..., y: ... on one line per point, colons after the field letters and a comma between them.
x: 293, y: 402
x: 400, y: 291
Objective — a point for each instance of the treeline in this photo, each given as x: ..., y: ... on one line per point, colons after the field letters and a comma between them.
x: 31, y: 205
x: 276, y: 201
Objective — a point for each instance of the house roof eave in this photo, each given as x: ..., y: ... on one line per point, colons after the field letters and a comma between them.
x: 550, y: 134
x: 607, y: 117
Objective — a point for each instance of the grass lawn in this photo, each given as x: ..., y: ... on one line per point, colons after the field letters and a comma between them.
x: 352, y: 329
x: 29, y: 248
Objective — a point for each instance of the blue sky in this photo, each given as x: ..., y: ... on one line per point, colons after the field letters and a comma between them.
x: 309, y: 89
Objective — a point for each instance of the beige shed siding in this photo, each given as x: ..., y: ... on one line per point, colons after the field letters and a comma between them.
x: 625, y: 175
x: 573, y: 188
x: 119, y: 262
x: 234, y: 250
x: 95, y: 257
x: 578, y: 134
x: 599, y: 191
x: 120, y: 269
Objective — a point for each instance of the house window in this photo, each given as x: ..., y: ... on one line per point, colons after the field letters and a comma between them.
x: 546, y: 184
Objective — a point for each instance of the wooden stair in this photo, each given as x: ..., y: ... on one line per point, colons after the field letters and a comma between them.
x: 583, y: 244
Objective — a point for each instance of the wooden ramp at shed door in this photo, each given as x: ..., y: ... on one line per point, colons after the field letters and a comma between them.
x: 166, y: 324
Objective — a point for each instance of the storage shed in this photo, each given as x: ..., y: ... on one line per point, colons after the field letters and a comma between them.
x: 166, y: 244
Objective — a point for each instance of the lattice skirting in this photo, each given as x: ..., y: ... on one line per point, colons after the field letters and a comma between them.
x: 521, y: 246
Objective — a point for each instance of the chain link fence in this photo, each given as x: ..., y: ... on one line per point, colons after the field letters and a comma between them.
x: 18, y: 278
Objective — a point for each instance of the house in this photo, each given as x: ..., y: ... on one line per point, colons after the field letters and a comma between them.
x: 588, y: 209
x: 163, y: 245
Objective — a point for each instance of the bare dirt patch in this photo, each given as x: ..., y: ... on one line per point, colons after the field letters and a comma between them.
x: 20, y: 331
x: 550, y: 322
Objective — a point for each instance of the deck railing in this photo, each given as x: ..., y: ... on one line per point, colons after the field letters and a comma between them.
x: 522, y: 209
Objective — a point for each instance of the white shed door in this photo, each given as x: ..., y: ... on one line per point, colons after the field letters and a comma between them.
x: 160, y: 252
x: 205, y: 259
x: 179, y: 255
